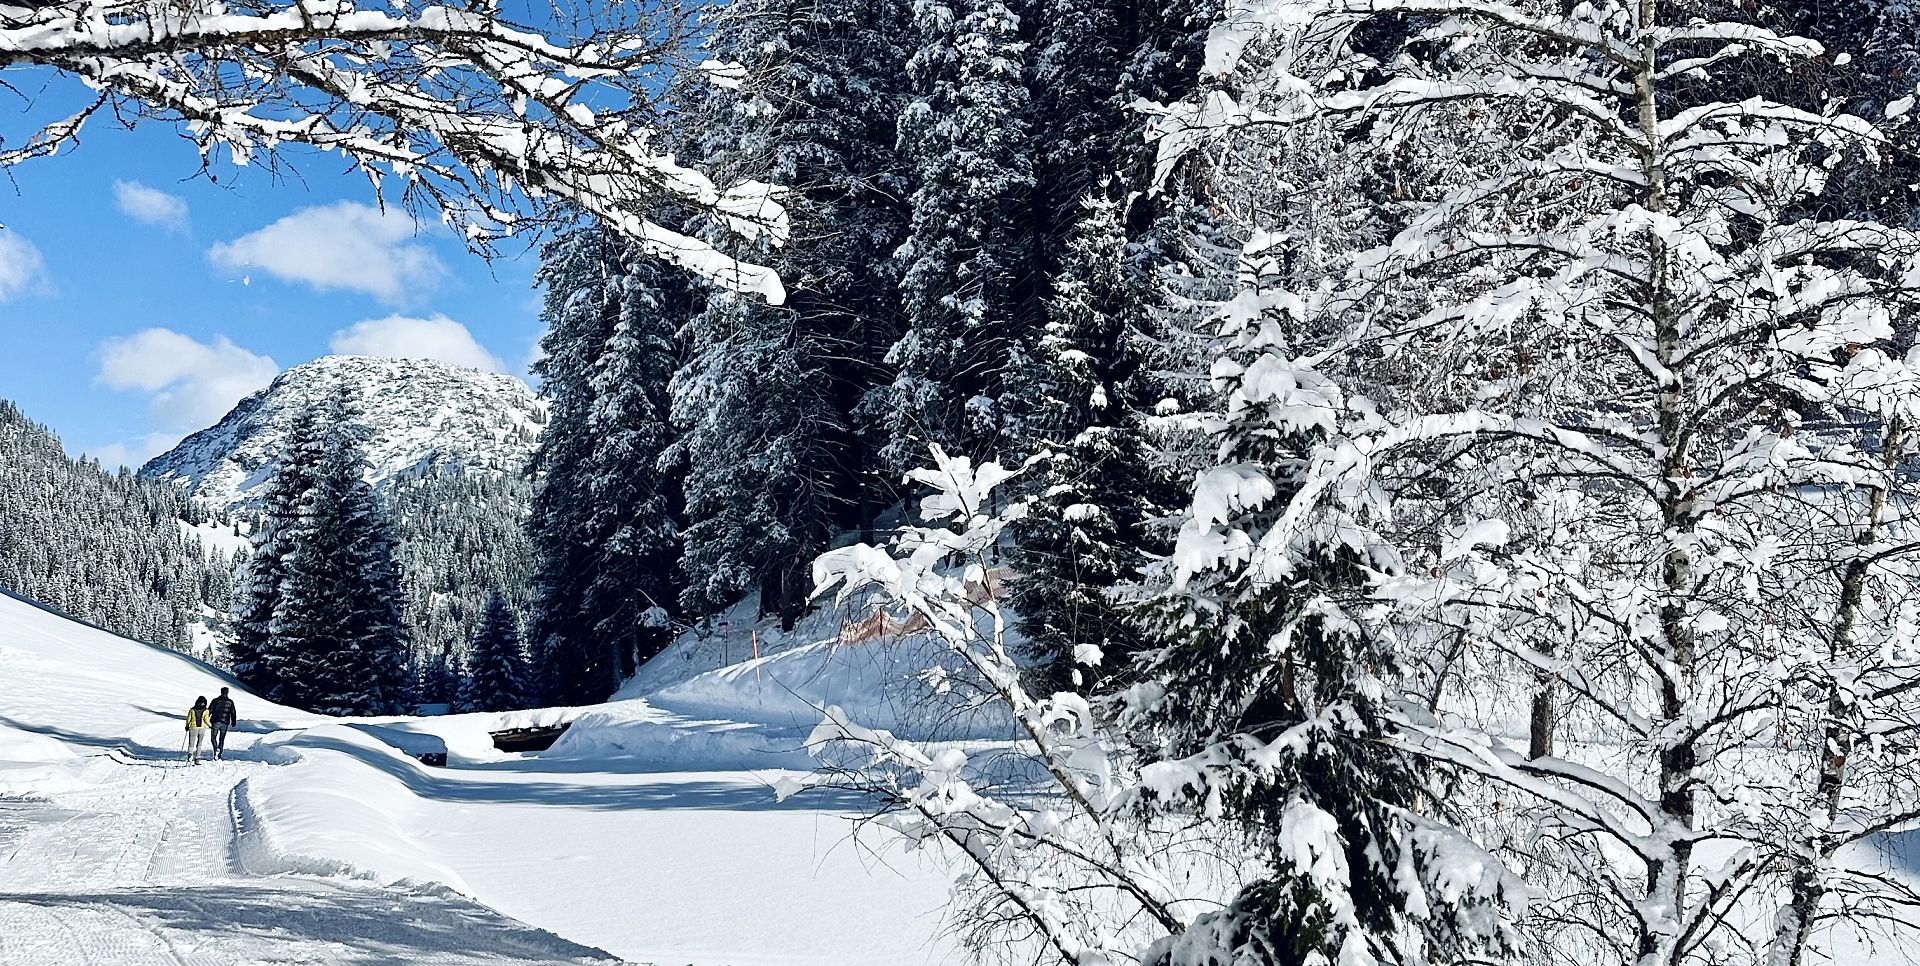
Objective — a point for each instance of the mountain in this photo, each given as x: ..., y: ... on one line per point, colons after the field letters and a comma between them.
x: 420, y: 418
x: 447, y: 448
x: 110, y: 549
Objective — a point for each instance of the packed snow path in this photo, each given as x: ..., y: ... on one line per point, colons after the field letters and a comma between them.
x: 143, y: 869
x: 651, y: 835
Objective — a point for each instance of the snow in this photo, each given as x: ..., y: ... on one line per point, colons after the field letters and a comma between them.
x: 215, y: 537
x: 650, y: 835
x: 825, y: 661
x: 419, y: 415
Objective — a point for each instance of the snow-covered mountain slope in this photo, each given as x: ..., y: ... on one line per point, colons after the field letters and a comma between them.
x: 446, y: 446
x: 653, y: 836
x: 419, y: 416
x: 96, y: 691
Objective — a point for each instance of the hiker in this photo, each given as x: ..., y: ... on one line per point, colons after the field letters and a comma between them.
x: 197, y: 722
x: 224, y: 717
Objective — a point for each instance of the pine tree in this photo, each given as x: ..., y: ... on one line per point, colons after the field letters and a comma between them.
x: 604, y: 522
x: 459, y: 537
x: 496, y: 663
x: 1078, y: 393
x: 337, y: 644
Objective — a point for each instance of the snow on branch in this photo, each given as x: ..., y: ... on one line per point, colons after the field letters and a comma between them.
x: 491, y: 121
x: 1054, y: 860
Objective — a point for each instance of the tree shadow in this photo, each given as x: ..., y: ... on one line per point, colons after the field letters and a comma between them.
x: 134, y: 747
x: 108, y: 742
x: 711, y: 795
x: 357, y: 927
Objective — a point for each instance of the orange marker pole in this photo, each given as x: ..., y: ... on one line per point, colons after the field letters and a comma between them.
x: 756, y: 656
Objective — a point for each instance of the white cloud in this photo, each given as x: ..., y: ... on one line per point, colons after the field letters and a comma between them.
x: 347, y: 246
x: 191, y: 384
x: 20, y: 265
x: 150, y: 206
x: 405, y: 337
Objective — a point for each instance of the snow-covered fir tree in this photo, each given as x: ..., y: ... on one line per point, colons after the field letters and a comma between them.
x: 107, y: 548
x: 496, y: 673
x: 605, y: 519
x: 777, y: 460
x: 1076, y: 395
x: 335, y: 641
x: 743, y: 402
x: 257, y: 592
x: 968, y: 284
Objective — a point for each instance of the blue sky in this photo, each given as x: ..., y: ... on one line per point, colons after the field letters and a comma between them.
x: 138, y: 301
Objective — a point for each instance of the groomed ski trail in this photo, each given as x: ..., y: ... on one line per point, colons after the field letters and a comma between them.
x: 141, y: 869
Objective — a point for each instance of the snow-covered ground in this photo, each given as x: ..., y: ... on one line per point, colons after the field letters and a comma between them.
x: 645, y: 835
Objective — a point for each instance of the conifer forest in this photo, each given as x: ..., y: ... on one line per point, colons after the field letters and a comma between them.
x: 1226, y: 482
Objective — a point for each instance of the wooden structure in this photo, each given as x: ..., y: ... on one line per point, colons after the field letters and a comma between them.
x: 528, y: 739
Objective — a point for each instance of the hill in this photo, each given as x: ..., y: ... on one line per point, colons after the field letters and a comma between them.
x: 420, y: 417
x: 447, y: 447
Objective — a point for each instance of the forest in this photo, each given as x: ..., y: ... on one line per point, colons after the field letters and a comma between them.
x: 1437, y: 472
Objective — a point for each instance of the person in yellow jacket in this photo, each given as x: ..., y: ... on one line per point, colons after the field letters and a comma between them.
x: 199, y: 722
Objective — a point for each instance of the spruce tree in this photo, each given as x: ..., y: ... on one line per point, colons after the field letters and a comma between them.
x: 604, y: 522
x: 496, y: 663
x: 1078, y: 393
x: 754, y: 508
x: 257, y: 592
x: 337, y: 643
x: 777, y: 460
x: 967, y: 267
x: 1250, y: 646
x: 437, y: 676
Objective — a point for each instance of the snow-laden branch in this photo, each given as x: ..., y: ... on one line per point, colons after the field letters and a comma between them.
x: 493, y: 122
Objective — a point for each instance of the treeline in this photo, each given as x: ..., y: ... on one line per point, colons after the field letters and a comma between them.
x: 972, y: 266
x: 107, y: 548
x: 460, y: 543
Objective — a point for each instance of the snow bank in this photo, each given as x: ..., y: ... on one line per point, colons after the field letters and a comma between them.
x: 895, y: 683
x: 26, y: 747
x: 632, y: 730
x: 880, y: 684
x: 34, y: 765
x: 346, y: 808
x: 94, y: 691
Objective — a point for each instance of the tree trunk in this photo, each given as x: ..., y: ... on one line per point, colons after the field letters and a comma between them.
x: 1540, y: 731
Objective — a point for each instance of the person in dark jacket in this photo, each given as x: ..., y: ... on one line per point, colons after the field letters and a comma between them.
x: 224, y: 716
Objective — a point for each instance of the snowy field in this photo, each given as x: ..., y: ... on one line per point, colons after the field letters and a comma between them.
x: 645, y: 836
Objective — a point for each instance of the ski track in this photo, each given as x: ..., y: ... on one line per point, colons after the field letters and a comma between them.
x: 140, y: 870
